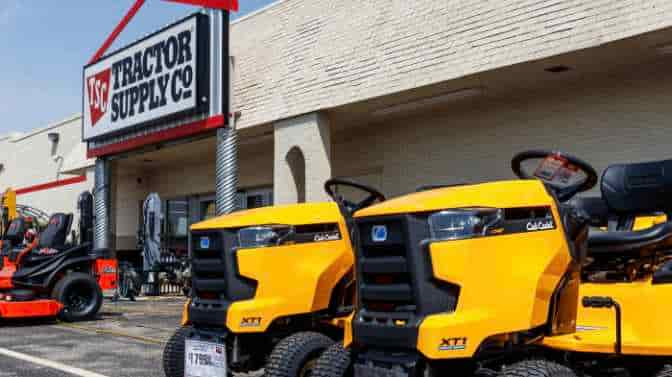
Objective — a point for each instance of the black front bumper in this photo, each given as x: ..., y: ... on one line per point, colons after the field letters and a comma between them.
x: 216, y: 282
x: 396, y: 286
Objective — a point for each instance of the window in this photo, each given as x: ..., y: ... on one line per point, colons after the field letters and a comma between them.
x: 208, y: 210
x: 245, y: 199
x: 255, y: 198
x: 177, y: 224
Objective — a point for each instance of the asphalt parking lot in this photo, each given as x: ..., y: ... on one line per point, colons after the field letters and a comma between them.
x: 125, y: 341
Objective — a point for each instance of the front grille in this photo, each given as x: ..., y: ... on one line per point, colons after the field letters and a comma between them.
x: 216, y: 282
x: 396, y: 286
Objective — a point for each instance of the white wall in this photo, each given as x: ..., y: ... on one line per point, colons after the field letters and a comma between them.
x: 29, y: 160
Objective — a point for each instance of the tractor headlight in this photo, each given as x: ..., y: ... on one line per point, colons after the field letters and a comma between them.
x: 264, y: 236
x: 463, y: 223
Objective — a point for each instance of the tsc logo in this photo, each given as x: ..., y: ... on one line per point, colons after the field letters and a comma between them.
x: 98, y: 90
x: 453, y: 344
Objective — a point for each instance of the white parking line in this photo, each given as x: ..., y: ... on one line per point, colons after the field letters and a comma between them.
x: 49, y: 364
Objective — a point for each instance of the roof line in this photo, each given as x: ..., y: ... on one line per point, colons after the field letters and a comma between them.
x: 257, y: 12
x: 47, y: 128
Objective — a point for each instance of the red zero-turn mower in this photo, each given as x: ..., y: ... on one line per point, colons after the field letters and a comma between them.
x: 45, y: 276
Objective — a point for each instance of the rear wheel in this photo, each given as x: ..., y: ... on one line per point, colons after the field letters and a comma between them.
x: 536, y: 368
x: 295, y: 356
x: 80, y: 296
x: 173, y: 353
x: 334, y: 362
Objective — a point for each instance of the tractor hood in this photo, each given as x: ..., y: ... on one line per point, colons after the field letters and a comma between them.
x: 500, y: 194
x: 291, y: 214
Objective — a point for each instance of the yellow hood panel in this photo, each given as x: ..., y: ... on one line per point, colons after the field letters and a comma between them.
x: 291, y: 214
x: 500, y: 194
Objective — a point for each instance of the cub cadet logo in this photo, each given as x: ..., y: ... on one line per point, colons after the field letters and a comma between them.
x: 250, y: 322
x: 539, y: 225
x: 379, y: 233
x: 99, y: 92
x: 327, y: 236
x: 453, y: 344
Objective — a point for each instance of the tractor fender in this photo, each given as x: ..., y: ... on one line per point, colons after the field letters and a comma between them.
x: 65, y: 265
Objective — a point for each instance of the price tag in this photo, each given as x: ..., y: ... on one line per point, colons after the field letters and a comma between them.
x: 204, y: 359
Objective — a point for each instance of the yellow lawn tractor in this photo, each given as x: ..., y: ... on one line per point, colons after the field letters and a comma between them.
x: 464, y: 280
x: 623, y: 321
x: 269, y: 286
x: 492, y: 279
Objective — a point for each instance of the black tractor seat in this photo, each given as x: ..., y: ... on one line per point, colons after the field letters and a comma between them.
x: 52, y: 241
x: 593, y: 206
x: 629, y: 241
x: 630, y: 191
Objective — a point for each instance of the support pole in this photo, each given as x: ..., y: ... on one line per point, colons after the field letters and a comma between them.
x: 101, y: 194
x: 226, y: 184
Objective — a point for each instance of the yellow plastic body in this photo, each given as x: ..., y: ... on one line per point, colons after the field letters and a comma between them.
x: 646, y: 307
x: 647, y: 328
x: 644, y: 222
x: 9, y: 204
x: 291, y: 279
x: 506, y: 281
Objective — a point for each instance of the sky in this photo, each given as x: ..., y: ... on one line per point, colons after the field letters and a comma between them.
x: 45, y: 43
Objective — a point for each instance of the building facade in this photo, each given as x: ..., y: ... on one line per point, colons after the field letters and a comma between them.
x: 47, y: 167
x: 401, y: 94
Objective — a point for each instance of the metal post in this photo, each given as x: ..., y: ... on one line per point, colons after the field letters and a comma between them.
x: 102, y: 205
x: 226, y: 184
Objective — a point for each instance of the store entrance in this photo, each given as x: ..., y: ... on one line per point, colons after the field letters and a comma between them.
x: 182, y: 212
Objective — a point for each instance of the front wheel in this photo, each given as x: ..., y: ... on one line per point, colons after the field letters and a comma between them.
x: 334, y: 362
x: 80, y: 296
x: 173, y: 353
x: 295, y: 356
x: 536, y: 368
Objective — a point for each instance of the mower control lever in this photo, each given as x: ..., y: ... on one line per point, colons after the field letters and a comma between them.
x: 597, y: 302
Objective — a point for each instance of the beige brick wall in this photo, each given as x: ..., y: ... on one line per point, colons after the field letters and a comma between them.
x: 615, y: 119
x: 300, y: 56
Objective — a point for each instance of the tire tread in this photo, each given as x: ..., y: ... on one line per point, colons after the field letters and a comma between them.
x: 290, y: 353
x: 173, y: 353
x: 334, y: 362
x: 665, y: 372
x: 537, y: 368
x: 61, y: 285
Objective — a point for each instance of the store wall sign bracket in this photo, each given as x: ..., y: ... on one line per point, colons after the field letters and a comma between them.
x: 159, y: 78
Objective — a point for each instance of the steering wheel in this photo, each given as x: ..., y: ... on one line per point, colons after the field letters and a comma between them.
x: 569, y: 163
x: 372, y: 197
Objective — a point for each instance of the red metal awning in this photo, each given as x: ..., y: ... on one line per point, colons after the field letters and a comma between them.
x: 231, y: 5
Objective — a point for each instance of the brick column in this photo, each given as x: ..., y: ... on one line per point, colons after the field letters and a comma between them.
x: 302, y: 160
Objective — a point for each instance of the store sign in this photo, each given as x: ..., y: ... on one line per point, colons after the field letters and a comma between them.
x: 156, y: 78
